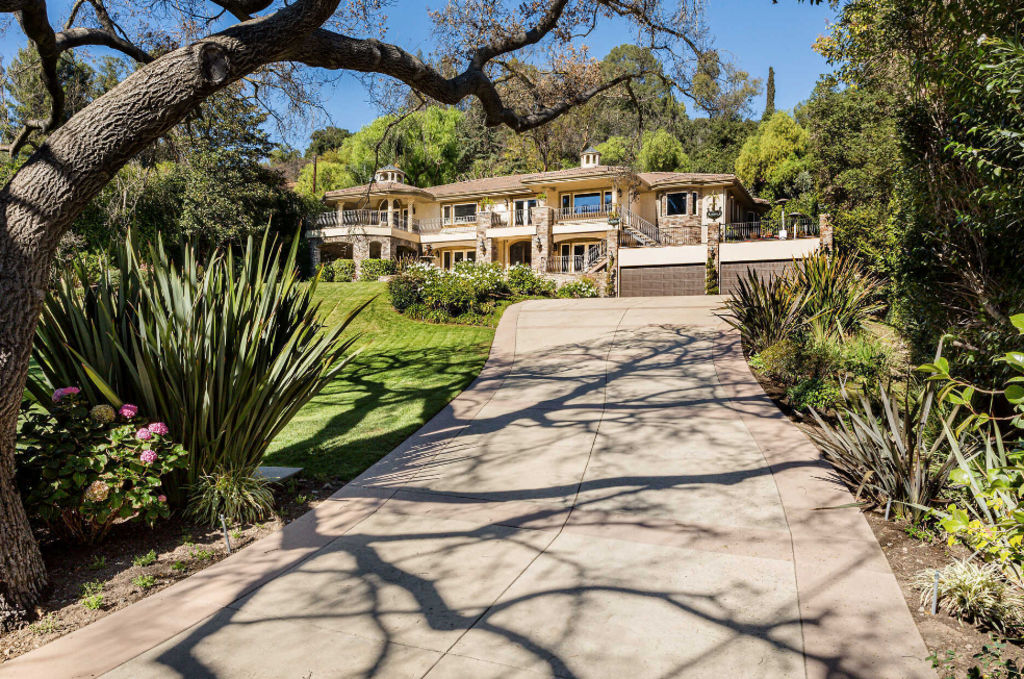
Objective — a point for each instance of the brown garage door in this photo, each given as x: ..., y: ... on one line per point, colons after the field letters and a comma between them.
x: 731, y: 272
x: 661, y: 281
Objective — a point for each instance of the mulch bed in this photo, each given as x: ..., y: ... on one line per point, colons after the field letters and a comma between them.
x: 182, y: 548
x: 909, y: 551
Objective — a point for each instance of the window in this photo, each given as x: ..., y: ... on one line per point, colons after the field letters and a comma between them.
x: 374, y: 250
x: 607, y: 200
x: 449, y: 258
x: 566, y: 201
x: 586, y: 202
x: 675, y: 204
x: 693, y: 204
x: 463, y: 213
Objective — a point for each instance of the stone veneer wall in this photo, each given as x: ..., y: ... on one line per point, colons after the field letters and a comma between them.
x: 678, y: 234
x: 544, y: 222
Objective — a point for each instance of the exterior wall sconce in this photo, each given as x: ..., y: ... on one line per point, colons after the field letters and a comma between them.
x: 538, y: 242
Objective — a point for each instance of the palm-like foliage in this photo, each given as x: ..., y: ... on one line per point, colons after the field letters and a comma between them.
x: 765, y: 310
x: 840, y: 295
x: 897, y: 455
x: 226, y: 355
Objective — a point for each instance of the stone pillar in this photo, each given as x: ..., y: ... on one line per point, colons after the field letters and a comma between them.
x: 391, y: 210
x: 612, y: 267
x: 484, y: 248
x: 543, y: 220
x: 714, y: 266
x: 825, y: 232
x: 314, y: 254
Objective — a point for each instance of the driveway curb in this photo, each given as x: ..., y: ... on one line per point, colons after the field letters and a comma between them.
x: 854, y: 618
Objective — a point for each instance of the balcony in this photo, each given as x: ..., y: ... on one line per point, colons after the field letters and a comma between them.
x: 584, y: 213
x: 755, y: 231
x: 376, y: 218
x: 578, y: 263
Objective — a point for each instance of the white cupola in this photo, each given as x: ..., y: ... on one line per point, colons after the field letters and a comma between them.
x: 590, y: 158
x: 389, y: 174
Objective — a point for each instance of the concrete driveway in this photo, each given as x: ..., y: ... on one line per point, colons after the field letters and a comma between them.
x: 613, y: 497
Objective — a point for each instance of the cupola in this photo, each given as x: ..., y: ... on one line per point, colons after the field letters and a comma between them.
x: 591, y: 157
x: 389, y: 174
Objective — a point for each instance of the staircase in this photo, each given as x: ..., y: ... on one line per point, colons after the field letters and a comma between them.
x: 638, y: 232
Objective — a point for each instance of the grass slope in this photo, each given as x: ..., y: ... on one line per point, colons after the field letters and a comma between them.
x: 407, y: 371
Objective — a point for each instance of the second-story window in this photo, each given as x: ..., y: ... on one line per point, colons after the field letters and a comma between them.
x: 463, y: 213
x: 675, y: 204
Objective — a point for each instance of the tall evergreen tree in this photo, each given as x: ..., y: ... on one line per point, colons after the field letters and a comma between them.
x: 769, y: 105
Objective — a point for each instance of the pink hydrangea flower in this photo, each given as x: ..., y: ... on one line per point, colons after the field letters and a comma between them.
x: 65, y: 391
x: 143, y: 434
x: 159, y: 428
x: 148, y: 456
x: 161, y: 498
x: 128, y: 411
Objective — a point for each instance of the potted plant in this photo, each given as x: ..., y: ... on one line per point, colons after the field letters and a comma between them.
x: 613, y: 218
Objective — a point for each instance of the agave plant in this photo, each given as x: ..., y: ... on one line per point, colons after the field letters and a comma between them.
x: 897, y: 456
x: 840, y: 295
x: 226, y: 354
x: 765, y: 310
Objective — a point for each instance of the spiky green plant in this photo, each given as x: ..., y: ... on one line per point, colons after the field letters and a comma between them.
x: 765, y: 310
x: 975, y: 593
x: 840, y: 295
x: 897, y: 455
x: 226, y: 353
x: 238, y: 496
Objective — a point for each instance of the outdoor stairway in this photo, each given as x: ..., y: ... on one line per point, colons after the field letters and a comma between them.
x: 642, y: 232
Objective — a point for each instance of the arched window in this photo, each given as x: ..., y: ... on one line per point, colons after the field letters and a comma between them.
x: 374, y: 250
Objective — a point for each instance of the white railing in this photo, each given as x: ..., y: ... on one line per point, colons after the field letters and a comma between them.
x: 364, y: 218
x: 767, y: 230
x: 578, y: 263
x: 582, y: 212
x: 432, y: 225
x: 463, y: 219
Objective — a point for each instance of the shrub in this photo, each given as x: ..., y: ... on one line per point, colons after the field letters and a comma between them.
x: 522, y: 280
x: 584, y: 287
x: 325, y: 273
x: 837, y: 290
x: 373, y: 269
x: 765, y: 310
x: 227, y: 356
x: 893, y: 456
x: 814, y: 393
x: 866, y: 357
x: 404, y: 290
x: 239, y: 496
x: 780, y: 361
x: 344, y: 270
x: 974, y: 593
x: 82, y: 470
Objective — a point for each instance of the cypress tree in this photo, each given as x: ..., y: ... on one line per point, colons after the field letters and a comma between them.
x: 769, y: 106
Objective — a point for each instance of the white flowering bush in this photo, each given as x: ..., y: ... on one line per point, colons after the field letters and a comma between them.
x: 577, y: 289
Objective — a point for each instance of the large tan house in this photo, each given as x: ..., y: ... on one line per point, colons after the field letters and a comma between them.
x: 569, y: 222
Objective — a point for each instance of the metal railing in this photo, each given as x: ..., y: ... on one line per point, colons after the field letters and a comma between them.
x: 582, y: 212
x: 638, y: 232
x: 578, y: 263
x: 765, y: 230
x: 462, y: 219
x: 522, y: 218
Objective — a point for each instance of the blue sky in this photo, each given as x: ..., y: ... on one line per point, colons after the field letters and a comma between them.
x: 755, y: 34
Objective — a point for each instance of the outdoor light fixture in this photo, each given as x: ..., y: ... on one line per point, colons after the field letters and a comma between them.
x: 538, y: 242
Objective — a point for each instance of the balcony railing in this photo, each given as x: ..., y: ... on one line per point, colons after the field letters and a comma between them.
x: 522, y: 218
x: 365, y: 218
x: 582, y: 212
x: 765, y: 230
x: 578, y: 263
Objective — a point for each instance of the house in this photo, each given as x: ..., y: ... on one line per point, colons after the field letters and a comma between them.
x: 572, y: 222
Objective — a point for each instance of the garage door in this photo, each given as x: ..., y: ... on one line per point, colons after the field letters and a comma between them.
x: 731, y: 272
x: 661, y: 281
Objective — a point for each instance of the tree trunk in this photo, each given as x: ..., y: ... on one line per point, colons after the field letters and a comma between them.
x: 56, y: 183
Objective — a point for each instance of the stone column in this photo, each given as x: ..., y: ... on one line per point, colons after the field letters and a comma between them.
x: 825, y: 232
x: 391, y: 210
x: 314, y: 254
x: 612, y: 267
x: 484, y: 248
x: 543, y: 220
x: 711, y: 279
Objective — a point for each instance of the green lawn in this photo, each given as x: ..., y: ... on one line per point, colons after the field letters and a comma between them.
x: 407, y: 371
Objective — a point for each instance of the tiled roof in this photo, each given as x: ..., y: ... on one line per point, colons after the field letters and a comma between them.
x: 376, y: 188
x: 573, y: 173
x: 656, y: 179
x: 507, y: 183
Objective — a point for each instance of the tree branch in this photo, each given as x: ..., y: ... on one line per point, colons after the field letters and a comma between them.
x: 77, y: 37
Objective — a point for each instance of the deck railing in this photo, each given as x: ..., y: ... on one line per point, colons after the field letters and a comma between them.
x: 764, y: 230
x: 578, y: 263
x: 582, y: 212
x: 365, y: 218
